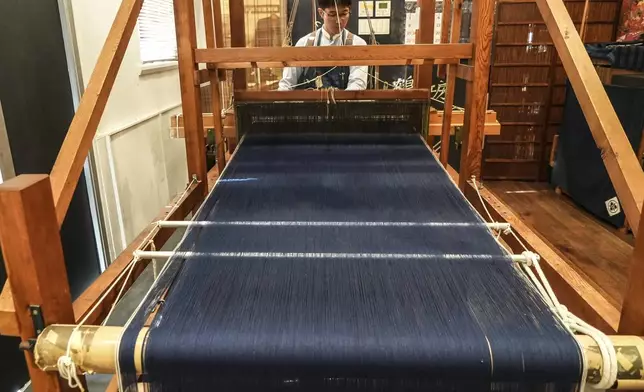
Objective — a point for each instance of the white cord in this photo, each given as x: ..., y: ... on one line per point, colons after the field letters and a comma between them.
x: 572, y: 322
x: 67, y: 370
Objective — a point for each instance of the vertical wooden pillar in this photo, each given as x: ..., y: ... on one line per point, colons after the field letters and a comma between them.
x: 632, y: 319
x: 213, y: 74
x: 426, y: 36
x: 33, y: 256
x: 216, y: 116
x: 477, y: 91
x: 184, y: 14
x: 451, y: 81
x: 314, y: 14
x: 238, y: 38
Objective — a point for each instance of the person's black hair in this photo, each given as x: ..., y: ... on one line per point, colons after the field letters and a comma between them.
x: 331, y: 3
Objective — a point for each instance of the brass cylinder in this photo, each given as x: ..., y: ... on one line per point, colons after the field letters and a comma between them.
x: 630, y: 355
x: 93, y: 349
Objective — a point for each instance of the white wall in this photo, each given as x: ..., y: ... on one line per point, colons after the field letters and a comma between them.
x: 139, y: 167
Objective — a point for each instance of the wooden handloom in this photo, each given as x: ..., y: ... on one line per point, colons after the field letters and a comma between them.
x: 34, y: 206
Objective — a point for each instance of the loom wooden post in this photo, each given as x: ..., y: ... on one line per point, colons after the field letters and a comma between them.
x: 33, y: 256
x: 632, y: 316
x: 219, y: 32
x: 455, y: 36
x: 426, y: 36
x: 238, y: 38
x: 184, y: 14
x: 213, y: 76
x: 216, y: 116
x: 476, y: 91
x: 445, y: 27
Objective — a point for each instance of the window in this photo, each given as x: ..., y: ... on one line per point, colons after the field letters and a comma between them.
x: 157, y: 31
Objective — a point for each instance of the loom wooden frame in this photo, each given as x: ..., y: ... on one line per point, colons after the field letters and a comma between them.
x: 39, y: 203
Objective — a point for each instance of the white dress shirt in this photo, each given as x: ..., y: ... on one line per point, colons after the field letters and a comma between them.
x: 357, y: 75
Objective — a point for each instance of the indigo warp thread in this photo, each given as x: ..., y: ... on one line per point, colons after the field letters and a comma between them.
x: 464, y: 319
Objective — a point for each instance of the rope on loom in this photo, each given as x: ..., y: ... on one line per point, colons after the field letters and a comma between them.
x: 572, y: 322
x: 66, y: 366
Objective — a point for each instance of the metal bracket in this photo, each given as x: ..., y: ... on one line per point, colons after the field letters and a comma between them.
x: 39, y: 325
x: 36, y: 317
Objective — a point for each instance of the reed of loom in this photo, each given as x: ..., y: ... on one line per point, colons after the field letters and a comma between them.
x: 36, y: 297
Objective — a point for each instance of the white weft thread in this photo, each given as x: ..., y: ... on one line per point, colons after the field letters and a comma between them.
x: 573, y: 323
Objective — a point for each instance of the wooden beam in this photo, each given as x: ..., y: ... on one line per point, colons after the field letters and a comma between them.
x: 571, y: 288
x: 323, y: 63
x: 184, y: 15
x: 465, y: 72
x: 437, y: 121
x: 219, y: 32
x: 447, y: 15
x: 218, y: 126
x: 202, y: 76
x: 632, y: 317
x: 477, y: 91
x: 8, y: 318
x: 452, y: 73
x: 209, y: 23
x: 213, y: 77
x: 237, y: 39
x: 77, y: 143
x: 112, y: 279
x: 343, y: 55
x: 33, y: 256
x: 341, y: 95
x: 619, y: 158
x: 426, y: 36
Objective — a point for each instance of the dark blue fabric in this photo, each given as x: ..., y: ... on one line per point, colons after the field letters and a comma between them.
x: 332, y: 323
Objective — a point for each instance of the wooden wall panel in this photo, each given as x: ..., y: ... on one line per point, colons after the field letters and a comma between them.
x: 518, y: 94
x: 518, y: 12
x: 522, y: 33
x: 515, y: 55
x: 520, y: 75
x: 527, y: 85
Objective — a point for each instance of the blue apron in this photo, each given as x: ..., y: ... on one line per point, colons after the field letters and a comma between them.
x: 337, y: 78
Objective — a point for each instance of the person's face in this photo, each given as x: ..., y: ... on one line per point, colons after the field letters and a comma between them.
x: 331, y: 17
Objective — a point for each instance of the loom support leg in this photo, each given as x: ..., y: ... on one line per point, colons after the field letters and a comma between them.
x: 33, y: 256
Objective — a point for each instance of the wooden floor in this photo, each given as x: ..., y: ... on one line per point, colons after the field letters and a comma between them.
x: 594, y: 249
